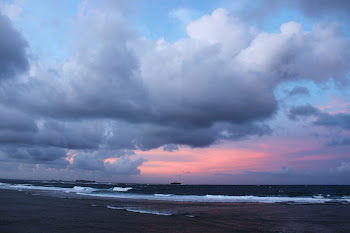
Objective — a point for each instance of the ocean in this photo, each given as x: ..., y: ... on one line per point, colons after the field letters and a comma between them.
x: 223, y: 208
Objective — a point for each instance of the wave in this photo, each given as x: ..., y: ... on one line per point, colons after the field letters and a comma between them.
x: 141, y: 211
x: 21, y: 187
x: 122, y: 193
x: 223, y: 198
x: 33, y: 187
x: 83, y: 189
x: 120, y: 189
x: 163, y: 195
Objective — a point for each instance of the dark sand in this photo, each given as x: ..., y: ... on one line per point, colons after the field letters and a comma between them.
x: 24, y: 212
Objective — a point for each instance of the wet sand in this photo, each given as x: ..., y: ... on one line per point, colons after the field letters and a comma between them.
x: 24, y: 212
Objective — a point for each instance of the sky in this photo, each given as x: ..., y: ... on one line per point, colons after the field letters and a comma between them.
x: 154, y: 91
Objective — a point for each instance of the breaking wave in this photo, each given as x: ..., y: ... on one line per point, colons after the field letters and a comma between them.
x: 141, y: 211
x: 120, y: 189
x: 122, y: 193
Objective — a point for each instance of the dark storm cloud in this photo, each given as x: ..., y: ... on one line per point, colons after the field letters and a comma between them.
x: 302, y: 110
x: 16, y: 121
x: 34, y: 154
x: 149, y: 136
x: 70, y: 135
x: 13, y: 56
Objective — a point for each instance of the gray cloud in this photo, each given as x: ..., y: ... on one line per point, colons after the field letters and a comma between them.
x: 118, y: 91
x: 340, y: 120
x: 120, y: 79
x: 17, y: 121
x: 302, y: 110
x: 312, y: 8
x: 149, y: 136
x: 298, y: 90
x: 319, y: 7
x: 94, y: 161
x: 36, y: 155
x: 170, y: 147
x: 124, y: 166
x: 70, y: 135
x: 87, y: 161
x: 13, y: 55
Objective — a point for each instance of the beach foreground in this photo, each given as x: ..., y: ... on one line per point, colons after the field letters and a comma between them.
x: 22, y: 211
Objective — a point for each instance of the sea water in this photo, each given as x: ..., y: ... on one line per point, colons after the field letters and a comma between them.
x: 189, y: 193
x: 202, y: 208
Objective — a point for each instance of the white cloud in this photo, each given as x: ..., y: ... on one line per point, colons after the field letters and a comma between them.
x: 11, y: 10
x: 184, y: 15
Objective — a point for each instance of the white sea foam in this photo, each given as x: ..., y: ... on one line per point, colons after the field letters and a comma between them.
x: 163, y: 195
x: 33, y: 187
x: 83, y: 189
x: 217, y: 198
x: 120, y: 189
x: 320, y: 196
x: 267, y: 199
x: 116, y: 208
x: 141, y: 211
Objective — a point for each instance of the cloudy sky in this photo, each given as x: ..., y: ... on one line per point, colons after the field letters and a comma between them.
x: 153, y: 91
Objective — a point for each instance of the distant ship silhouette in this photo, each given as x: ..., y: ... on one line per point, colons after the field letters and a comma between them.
x: 175, y: 183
